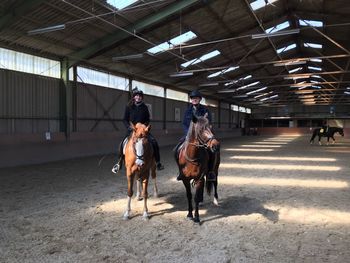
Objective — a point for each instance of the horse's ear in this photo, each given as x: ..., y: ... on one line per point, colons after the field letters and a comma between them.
x: 194, y: 118
x: 132, y: 126
x: 206, y: 115
x: 148, y: 128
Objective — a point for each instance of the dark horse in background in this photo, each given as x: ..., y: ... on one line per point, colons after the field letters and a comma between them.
x: 193, y: 157
x: 324, y: 132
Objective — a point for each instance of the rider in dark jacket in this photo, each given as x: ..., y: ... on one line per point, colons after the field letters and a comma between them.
x: 136, y: 111
x: 199, y: 110
x: 194, y: 108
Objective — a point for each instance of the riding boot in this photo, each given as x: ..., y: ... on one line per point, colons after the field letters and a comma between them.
x: 176, y: 155
x: 155, y: 146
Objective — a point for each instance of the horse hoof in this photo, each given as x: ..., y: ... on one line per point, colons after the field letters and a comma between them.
x: 139, y: 198
x: 126, y: 217
x: 145, y: 217
x: 190, y: 218
x: 197, y: 221
x: 216, y: 202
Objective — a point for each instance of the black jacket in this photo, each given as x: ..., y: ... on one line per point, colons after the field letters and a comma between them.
x: 200, y: 111
x: 135, y: 114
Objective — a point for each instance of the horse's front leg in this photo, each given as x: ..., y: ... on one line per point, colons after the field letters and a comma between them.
x: 145, y: 215
x: 319, y: 140
x: 130, y: 178
x: 333, y: 139
x: 138, y: 190
x: 187, y: 185
x: 216, y: 197
x: 198, y: 198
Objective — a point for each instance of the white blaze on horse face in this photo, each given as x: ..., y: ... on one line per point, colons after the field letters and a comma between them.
x: 139, y: 152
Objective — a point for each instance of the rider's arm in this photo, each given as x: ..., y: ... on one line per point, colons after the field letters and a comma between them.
x: 126, y: 119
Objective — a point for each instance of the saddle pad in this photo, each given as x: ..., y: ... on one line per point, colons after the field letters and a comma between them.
x: 321, y: 130
x: 124, y: 144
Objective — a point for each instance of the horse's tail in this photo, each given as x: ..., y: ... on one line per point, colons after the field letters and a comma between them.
x: 209, y: 186
x: 313, y: 135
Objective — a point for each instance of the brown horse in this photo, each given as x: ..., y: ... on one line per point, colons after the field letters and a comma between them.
x: 193, y: 161
x: 139, y: 161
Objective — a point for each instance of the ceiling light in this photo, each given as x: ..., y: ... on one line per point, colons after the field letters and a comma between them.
x: 209, y: 84
x: 46, y: 29
x: 290, y: 63
x: 278, y: 33
x: 181, y: 74
x: 127, y: 57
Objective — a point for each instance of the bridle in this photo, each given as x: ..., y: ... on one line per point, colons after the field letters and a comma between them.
x: 135, y: 139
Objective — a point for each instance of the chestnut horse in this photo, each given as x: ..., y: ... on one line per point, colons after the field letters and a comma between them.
x: 139, y: 161
x: 193, y: 160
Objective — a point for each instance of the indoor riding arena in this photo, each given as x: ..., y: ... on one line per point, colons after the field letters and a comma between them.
x: 273, y: 78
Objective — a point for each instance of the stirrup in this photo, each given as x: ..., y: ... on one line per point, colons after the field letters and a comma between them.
x: 116, y: 168
x: 179, y: 177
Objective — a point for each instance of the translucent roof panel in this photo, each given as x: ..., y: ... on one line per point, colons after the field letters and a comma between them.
x: 257, y: 90
x: 283, y: 49
x: 260, y: 3
x: 120, y: 4
x: 316, y: 60
x: 222, y: 72
x: 278, y: 27
x: 314, y: 23
x: 315, y: 68
x: 201, y: 59
x: 181, y: 39
x: 312, y: 45
x: 294, y: 70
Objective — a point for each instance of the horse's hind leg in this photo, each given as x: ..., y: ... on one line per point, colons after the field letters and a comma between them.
x: 187, y: 185
x: 154, y: 179
x: 216, y: 197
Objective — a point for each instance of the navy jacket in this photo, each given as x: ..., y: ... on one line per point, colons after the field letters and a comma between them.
x: 135, y: 114
x: 201, y: 111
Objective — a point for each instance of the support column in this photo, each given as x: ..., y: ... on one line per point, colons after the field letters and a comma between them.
x: 65, y: 99
x: 164, y: 108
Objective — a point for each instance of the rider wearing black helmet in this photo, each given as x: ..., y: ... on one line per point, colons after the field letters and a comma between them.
x: 136, y: 111
x: 199, y: 110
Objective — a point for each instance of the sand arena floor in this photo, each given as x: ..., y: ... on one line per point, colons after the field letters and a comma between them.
x: 281, y: 200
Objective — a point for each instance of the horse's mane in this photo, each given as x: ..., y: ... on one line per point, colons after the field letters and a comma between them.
x: 196, y: 130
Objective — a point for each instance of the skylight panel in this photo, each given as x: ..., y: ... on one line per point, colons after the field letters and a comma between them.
x: 271, y: 97
x: 347, y: 92
x: 312, y: 45
x: 222, y: 72
x: 181, y: 39
x: 254, y: 91
x: 277, y: 27
x: 314, y: 23
x: 120, y: 4
x: 235, y: 81
x: 260, y: 3
x: 316, y: 76
x: 291, y: 46
x: 316, y: 87
x: 294, y: 70
x: 201, y: 59
x: 316, y: 60
x: 315, y: 68
x: 249, y: 85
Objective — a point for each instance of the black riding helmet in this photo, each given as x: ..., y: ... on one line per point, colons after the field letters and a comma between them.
x: 195, y: 93
x: 136, y: 91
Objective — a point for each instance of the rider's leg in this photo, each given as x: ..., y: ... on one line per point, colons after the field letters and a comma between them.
x: 176, y: 149
x: 156, y: 152
x: 119, y: 164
